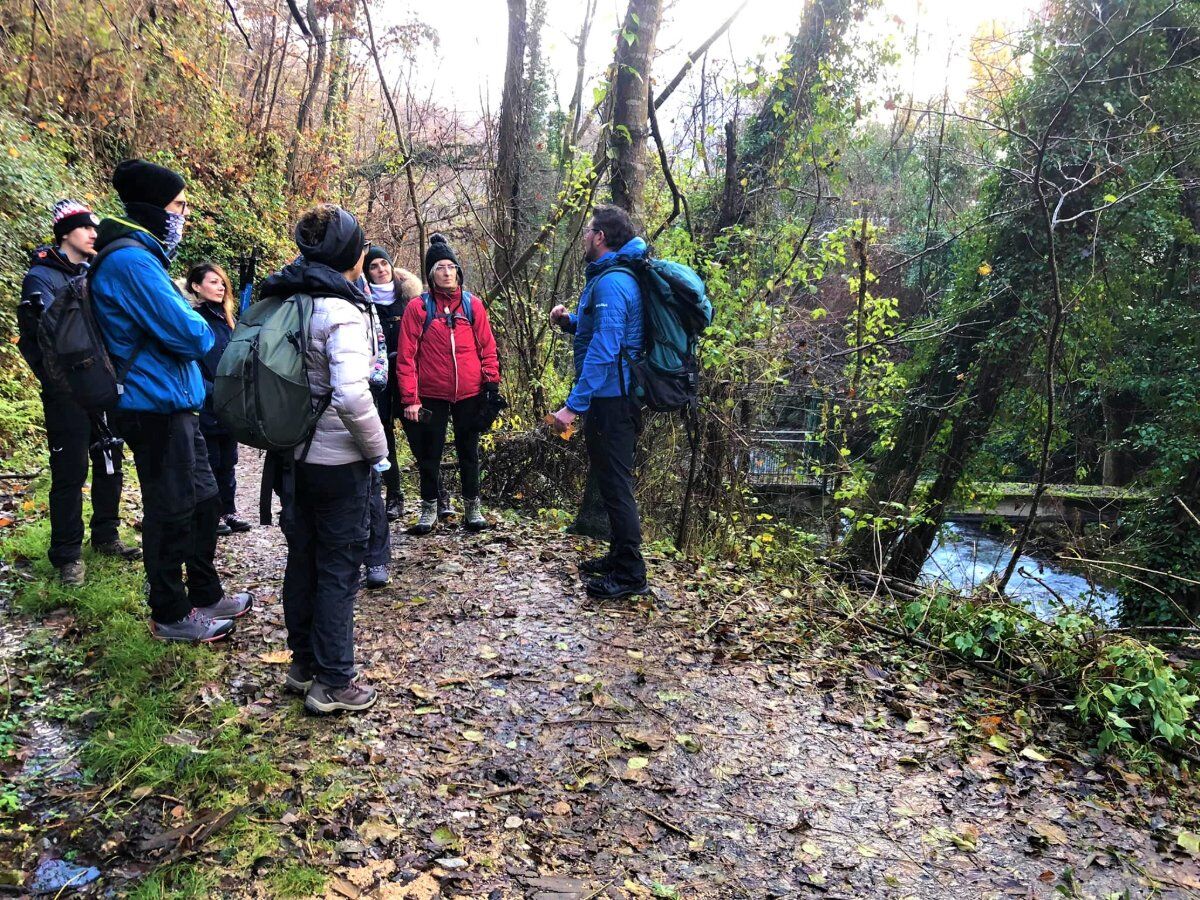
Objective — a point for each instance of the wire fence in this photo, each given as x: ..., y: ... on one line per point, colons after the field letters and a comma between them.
x: 786, y: 444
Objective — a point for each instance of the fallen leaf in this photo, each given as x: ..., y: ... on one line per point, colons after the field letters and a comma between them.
x: 1047, y: 832
x: 421, y: 692
x: 688, y: 743
x: 378, y: 829
x: 999, y: 742
x: 1035, y: 755
x: 638, y: 762
x: 276, y: 657
x: 650, y: 740
x: 916, y: 726
x: 1189, y: 841
x: 472, y: 735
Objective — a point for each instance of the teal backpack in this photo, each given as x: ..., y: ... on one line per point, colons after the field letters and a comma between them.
x: 675, y: 311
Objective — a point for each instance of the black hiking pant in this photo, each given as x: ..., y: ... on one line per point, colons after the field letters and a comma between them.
x: 428, y: 439
x: 610, y: 428
x: 180, y: 509
x: 379, y: 544
x: 325, y: 520
x: 72, y: 436
x: 223, y: 460
x: 386, y: 405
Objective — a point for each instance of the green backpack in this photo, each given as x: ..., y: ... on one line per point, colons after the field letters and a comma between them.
x: 261, y: 391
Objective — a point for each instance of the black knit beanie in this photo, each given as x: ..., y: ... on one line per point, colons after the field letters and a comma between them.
x: 376, y: 253
x: 341, y: 245
x: 439, y: 249
x: 138, y: 181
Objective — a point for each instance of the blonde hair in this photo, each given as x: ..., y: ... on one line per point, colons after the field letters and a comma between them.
x: 196, y: 275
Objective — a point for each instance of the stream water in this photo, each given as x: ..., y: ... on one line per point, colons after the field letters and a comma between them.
x: 964, y: 557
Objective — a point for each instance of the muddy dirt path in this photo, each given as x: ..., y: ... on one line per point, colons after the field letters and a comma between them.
x: 531, y: 743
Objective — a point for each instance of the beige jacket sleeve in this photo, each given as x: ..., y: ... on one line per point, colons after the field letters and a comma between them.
x: 350, y: 350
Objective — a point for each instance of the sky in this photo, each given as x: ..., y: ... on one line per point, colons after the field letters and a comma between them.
x: 467, y: 70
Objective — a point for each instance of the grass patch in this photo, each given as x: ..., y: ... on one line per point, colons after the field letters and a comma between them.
x: 149, y: 727
x: 296, y: 880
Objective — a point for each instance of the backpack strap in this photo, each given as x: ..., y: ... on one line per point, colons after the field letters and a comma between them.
x: 431, y: 310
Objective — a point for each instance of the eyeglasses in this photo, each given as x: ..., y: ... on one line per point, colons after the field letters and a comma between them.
x: 446, y: 268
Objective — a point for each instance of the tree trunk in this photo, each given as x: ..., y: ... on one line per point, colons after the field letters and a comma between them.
x: 635, y: 54
x: 789, y: 106
x: 506, y: 189
x: 315, y: 80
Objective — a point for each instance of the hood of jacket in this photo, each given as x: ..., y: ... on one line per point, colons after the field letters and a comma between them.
x: 112, y: 228
x: 52, y: 258
x: 316, y: 279
x: 635, y: 249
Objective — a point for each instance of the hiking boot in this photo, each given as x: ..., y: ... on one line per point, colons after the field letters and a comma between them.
x: 235, y: 524
x: 72, y: 574
x: 354, y: 697
x: 395, y: 507
x: 444, y: 509
x: 223, y: 529
x: 118, y: 548
x: 610, y: 587
x: 231, y: 606
x: 427, y: 519
x: 597, y: 565
x: 298, y: 680
x: 197, y: 627
x: 377, y: 576
x: 474, y: 515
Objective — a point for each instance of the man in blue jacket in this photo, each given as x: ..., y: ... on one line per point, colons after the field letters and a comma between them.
x: 73, y: 436
x: 607, y: 326
x: 145, y: 318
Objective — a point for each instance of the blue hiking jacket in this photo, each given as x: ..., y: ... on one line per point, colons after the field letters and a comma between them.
x: 608, y: 320
x: 134, y: 298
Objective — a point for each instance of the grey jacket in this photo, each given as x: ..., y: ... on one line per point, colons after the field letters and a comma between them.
x: 343, y: 342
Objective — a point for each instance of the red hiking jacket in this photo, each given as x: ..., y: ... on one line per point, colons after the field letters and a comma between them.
x: 445, y: 363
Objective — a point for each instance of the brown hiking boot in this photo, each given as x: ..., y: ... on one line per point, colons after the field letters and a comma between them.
x: 354, y: 697
x: 118, y: 548
x: 72, y: 574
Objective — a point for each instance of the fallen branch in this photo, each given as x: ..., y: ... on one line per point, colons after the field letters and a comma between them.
x: 665, y: 823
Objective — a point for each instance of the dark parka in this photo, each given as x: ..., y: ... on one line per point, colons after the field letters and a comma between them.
x: 49, y: 272
x: 214, y: 315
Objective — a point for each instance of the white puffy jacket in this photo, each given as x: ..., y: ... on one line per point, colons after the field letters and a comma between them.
x: 343, y: 340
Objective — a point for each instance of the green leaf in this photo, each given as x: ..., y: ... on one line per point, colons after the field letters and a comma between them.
x: 688, y: 743
x: 1189, y: 841
x: 1110, y: 198
x: 999, y: 742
